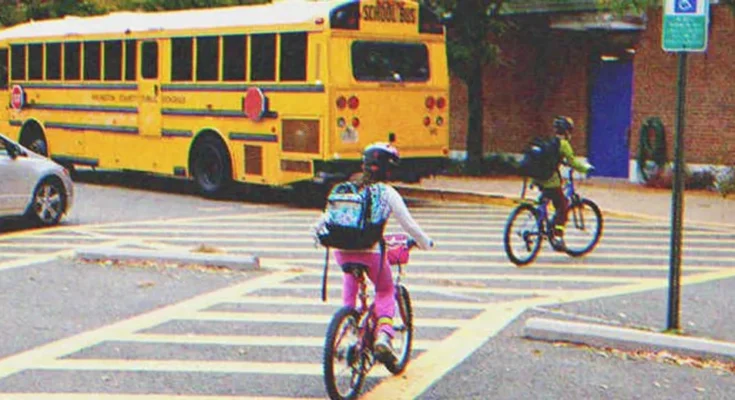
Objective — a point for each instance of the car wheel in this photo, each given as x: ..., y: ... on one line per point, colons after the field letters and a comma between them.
x: 48, y: 203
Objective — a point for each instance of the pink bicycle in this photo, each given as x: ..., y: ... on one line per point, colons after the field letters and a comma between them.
x: 348, y: 349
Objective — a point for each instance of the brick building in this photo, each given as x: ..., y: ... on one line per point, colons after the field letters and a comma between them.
x: 610, y: 74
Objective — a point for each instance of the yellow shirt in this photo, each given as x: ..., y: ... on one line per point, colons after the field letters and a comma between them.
x: 567, y: 155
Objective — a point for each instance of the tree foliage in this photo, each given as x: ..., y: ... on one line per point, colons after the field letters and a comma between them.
x: 470, y: 24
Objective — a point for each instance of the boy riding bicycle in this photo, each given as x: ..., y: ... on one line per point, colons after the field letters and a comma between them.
x: 552, y: 188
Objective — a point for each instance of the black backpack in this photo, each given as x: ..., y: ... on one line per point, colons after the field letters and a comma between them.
x: 540, y: 158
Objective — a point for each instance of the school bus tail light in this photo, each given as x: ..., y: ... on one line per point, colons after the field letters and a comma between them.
x: 353, y: 103
x: 430, y: 102
x: 427, y: 120
x: 300, y: 136
x: 441, y: 103
x: 355, y: 122
x: 341, y: 102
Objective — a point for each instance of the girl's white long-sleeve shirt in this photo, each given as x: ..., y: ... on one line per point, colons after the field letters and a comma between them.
x: 397, y: 208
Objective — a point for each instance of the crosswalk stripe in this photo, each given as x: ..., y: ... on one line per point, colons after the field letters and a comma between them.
x: 131, y: 396
x: 203, y: 366
x: 440, y: 289
x: 303, y: 318
x: 274, y: 341
x: 335, y: 302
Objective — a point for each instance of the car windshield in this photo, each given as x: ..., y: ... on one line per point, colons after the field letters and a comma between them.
x: 390, y: 62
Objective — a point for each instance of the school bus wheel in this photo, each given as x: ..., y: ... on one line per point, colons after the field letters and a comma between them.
x: 32, y: 138
x: 210, y: 166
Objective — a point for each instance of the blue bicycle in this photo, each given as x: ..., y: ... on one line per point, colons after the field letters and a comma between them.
x: 530, y: 223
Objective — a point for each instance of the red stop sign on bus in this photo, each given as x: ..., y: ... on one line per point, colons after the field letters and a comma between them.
x: 17, y: 97
x: 254, y: 104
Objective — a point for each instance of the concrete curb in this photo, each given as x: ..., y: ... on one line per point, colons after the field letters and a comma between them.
x: 234, y: 262
x: 603, y: 336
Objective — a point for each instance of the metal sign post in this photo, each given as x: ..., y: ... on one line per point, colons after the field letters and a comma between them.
x: 684, y: 29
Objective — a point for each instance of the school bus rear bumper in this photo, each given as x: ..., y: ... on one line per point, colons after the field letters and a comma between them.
x: 410, y: 171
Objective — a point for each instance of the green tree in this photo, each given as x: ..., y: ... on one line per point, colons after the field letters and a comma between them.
x: 471, y: 24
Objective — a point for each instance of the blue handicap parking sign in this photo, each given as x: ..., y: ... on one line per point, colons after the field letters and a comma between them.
x: 685, y: 6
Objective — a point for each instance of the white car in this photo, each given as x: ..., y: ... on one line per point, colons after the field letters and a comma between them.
x: 32, y: 185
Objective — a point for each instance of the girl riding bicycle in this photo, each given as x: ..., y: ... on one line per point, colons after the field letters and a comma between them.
x: 378, y: 161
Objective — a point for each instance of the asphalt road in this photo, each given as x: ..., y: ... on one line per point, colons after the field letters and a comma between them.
x: 89, y: 330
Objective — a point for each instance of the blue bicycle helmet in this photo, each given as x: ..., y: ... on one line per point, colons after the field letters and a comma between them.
x: 563, y: 124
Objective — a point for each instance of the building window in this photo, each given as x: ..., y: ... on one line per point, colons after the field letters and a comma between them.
x: 72, y: 61
x: 293, y: 56
x: 35, y: 62
x: 234, y: 56
x: 208, y: 58
x: 113, y: 60
x: 131, y: 60
x: 53, y: 61
x: 18, y: 62
x: 92, y: 56
x: 149, y: 60
x: 182, y: 55
x: 263, y: 57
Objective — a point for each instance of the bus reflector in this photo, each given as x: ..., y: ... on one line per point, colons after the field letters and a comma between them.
x: 353, y: 102
x: 355, y: 122
x: 427, y: 121
x: 429, y: 102
x: 441, y: 103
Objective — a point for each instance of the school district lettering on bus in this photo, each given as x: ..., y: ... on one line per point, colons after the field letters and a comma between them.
x: 285, y: 94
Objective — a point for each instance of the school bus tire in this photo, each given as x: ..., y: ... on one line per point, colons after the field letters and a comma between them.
x: 210, y: 166
x: 32, y: 137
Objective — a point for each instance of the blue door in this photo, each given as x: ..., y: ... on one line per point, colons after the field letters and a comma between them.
x: 608, y: 147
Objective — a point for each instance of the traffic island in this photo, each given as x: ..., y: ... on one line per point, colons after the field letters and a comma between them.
x: 239, y: 262
x: 627, y: 339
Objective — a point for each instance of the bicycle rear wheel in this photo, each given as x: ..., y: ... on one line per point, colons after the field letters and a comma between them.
x: 584, y: 228
x: 522, y: 236
x: 344, y: 360
x: 403, y: 326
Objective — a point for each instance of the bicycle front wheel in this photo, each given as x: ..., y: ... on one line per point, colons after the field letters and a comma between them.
x: 584, y: 228
x: 522, y: 236
x: 403, y: 327
x: 344, y: 360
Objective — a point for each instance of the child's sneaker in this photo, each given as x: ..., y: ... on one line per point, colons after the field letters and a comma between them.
x: 384, y: 349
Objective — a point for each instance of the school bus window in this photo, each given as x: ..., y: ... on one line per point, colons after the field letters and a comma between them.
x: 293, y: 56
x: 182, y: 54
x: 35, y: 62
x: 113, y: 60
x: 390, y: 62
x: 208, y: 58
x: 72, y: 61
x: 92, y: 55
x: 18, y: 62
x: 53, y: 61
x: 263, y: 58
x: 233, y: 57
x: 149, y: 60
x: 3, y: 68
x: 131, y: 60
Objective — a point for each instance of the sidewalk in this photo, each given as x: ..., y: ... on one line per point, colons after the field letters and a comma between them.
x: 701, y: 304
x: 616, y: 197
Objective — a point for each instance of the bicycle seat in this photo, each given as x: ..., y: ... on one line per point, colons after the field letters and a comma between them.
x: 354, y: 268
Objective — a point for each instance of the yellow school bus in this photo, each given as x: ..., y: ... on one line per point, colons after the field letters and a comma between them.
x: 278, y: 94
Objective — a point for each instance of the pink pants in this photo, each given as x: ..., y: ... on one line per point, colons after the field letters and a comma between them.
x: 384, y: 295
